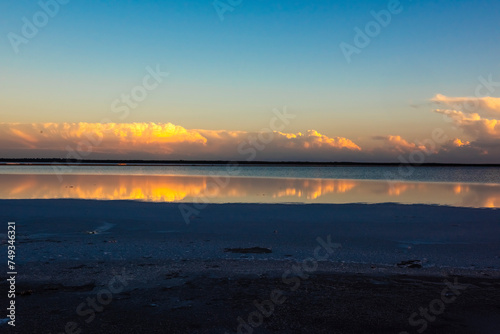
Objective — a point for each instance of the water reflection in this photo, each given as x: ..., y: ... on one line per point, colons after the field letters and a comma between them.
x: 220, y: 189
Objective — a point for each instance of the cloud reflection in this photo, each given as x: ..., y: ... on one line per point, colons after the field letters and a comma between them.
x: 153, y: 188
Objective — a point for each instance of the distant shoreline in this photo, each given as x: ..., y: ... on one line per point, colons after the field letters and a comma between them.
x: 73, y: 162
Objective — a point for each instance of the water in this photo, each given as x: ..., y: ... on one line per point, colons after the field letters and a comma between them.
x: 458, y: 186
x: 414, y: 174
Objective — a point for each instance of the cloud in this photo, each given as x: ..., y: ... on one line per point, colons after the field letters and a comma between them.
x: 486, y: 106
x: 164, y: 141
x: 459, y: 142
x: 474, y: 125
x: 480, y: 142
x: 398, y: 144
x: 479, y: 120
x: 314, y: 139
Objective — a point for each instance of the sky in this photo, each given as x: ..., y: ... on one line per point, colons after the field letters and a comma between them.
x: 317, y: 80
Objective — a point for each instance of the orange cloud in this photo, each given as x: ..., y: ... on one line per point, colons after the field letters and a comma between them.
x: 478, y: 118
x: 488, y: 106
x: 398, y: 144
x: 459, y: 143
x: 314, y: 139
x: 473, y: 124
x: 163, y: 140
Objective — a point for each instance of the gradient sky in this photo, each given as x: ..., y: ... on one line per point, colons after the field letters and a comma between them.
x: 227, y: 76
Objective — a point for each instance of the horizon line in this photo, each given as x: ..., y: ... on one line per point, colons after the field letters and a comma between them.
x: 143, y: 162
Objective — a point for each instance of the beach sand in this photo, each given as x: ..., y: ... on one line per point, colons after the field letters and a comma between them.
x: 133, y: 267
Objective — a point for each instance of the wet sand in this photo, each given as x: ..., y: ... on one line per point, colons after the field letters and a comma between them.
x: 130, y: 267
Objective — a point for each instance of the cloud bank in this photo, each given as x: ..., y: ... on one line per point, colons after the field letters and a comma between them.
x: 477, y: 118
x: 164, y: 141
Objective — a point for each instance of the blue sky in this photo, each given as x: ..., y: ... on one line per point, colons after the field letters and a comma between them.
x: 230, y: 74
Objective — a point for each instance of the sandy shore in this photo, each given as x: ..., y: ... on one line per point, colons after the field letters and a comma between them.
x: 131, y: 267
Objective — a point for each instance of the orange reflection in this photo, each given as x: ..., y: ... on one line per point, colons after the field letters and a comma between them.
x: 397, y: 188
x: 313, y: 189
x: 492, y: 202
x: 458, y: 189
x: 154, y: 188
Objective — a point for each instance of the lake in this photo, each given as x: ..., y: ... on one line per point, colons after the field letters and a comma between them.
x: 453, y: 186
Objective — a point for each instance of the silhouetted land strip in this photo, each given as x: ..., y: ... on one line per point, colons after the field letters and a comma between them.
x: 73, y: 162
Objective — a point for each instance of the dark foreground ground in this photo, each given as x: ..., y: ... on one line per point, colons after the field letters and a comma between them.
x: 221, y: 296
x: 131, y: 267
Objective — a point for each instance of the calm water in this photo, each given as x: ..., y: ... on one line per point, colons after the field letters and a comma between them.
x: 466, y: 187
x: 417, y: 174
